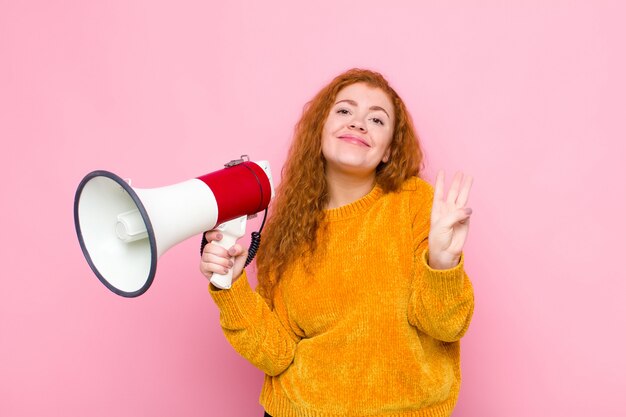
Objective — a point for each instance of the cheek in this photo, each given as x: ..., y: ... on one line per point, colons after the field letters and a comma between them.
x: 326, y: 141
x: 387, y: 147
x: 386, y: 139
x: 331, y: 124
x: 325, y: 135
x: 330, y: 127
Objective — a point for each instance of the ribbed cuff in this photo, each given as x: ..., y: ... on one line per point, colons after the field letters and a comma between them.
x: 448, y: 282
x: 235, y: 302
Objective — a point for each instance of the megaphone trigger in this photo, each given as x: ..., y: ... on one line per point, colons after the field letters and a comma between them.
x: 231, y: 230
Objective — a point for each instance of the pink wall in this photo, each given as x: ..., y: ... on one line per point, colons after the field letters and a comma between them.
x: 528, y: 96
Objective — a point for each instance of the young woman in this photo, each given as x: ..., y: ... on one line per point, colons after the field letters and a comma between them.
x: 362, y: 296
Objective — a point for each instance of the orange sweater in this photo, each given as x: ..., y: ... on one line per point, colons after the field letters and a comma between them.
x: 373, y: 331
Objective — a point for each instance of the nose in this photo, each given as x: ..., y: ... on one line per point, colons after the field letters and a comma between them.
x: 358, y: 125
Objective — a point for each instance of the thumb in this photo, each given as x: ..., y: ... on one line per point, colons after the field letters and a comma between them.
x: 237, y: 250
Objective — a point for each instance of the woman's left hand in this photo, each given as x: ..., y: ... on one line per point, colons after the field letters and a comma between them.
x: 449, y: 222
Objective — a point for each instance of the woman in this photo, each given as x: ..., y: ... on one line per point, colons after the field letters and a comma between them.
x: 362, y: 296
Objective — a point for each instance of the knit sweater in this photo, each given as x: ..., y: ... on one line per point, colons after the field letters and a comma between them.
x: 362, y: 327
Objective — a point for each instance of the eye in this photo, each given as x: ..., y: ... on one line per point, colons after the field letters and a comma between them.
x: 378, y: 121
x: 342, y: 111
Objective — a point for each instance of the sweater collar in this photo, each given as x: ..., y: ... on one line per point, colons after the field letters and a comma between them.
x: 356, y: 207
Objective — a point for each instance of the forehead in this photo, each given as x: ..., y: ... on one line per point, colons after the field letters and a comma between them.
x: 366, y: 95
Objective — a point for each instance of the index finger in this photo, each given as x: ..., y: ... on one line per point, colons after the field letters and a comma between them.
x: 212, y: 235
x: 461, y: 200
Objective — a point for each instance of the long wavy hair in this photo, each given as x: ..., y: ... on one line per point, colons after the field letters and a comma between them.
x: 298, y: 208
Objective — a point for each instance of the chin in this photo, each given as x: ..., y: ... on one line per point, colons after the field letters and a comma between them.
x: 357, y: 168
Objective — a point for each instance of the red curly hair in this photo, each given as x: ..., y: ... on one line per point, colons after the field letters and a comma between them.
x: 301, y: 197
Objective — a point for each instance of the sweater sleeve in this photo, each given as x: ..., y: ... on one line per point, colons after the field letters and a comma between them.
x: 442, y: 301
x: 255, y: 331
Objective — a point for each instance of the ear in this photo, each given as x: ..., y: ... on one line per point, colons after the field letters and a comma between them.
x: 386, y: 155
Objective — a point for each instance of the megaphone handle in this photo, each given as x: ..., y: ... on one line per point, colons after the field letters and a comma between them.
x: 231, y: 230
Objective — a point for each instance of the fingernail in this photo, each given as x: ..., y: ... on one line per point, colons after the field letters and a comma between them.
x: 219, y: 236
x: 468, y: 211
x: 231, y: 251
x: 231, y: 263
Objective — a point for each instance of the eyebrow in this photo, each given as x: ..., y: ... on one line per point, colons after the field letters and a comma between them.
x: 354, y: 103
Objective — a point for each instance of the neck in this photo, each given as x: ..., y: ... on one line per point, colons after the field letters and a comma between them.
x: 345, y: 188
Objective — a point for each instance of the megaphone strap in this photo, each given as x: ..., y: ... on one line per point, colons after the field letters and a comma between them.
x: 256, y: 177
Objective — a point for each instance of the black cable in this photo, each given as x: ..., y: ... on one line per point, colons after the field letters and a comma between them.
x: 255, y: 242
x: 203, y: 243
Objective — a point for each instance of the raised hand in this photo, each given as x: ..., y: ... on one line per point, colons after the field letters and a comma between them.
x: 449, y: 221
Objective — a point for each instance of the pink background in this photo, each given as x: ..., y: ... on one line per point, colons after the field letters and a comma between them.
x: 528, y: 96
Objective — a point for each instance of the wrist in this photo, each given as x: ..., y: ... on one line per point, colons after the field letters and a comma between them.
x: 436, y: 261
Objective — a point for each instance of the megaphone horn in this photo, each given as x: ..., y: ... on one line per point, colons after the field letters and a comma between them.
x: 123, y: 230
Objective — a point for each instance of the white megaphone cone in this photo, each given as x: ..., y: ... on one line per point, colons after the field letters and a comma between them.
x: 123, y: 230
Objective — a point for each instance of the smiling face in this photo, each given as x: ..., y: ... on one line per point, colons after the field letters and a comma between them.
x: 358, y: 131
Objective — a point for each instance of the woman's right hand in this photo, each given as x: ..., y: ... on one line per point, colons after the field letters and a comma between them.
x: 216, y: 259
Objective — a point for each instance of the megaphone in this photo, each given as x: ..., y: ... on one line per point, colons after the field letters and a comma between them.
x: 123, y: 230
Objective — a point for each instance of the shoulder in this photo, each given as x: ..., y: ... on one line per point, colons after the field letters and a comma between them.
x: 417, y: 186
x: 418, y: 196
x: 414, y: 194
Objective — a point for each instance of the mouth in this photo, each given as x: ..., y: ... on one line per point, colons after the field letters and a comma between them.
x: 356, y: 140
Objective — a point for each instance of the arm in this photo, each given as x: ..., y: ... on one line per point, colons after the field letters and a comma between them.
x: 255, y: 331
x: 442, y: 301
x: 442, y: 298
x: 260, y: 335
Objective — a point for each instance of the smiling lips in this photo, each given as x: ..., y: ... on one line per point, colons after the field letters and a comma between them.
x: 354, y: 140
